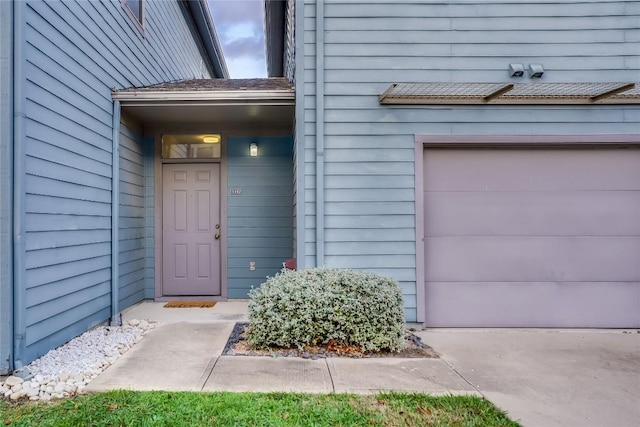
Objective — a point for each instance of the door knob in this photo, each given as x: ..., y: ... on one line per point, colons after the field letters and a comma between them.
x: 217, y: 236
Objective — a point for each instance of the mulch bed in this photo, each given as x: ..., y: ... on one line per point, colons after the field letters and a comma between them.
x: 237, y: 346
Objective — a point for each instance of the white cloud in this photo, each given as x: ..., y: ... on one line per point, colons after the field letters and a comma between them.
x: 241, y: 30
x: 246, y: 67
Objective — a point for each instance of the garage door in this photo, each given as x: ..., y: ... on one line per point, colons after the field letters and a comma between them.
x: 532, y: 237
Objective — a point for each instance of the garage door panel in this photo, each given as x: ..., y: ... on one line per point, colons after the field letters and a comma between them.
x: 558, y: 213
x: 532, y: 237
x: 483, y: 170
x: 546, y: 304
x: 524, y: 259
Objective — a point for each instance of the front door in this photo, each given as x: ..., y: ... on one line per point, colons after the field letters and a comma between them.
x: 191, y: 229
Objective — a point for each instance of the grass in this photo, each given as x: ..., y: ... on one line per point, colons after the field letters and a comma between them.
x: 128, y: 408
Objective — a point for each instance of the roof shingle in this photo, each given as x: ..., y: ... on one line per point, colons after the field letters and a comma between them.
x: 217, y: 85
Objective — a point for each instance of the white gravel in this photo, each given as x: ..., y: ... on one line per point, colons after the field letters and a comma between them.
x: 66, y: 370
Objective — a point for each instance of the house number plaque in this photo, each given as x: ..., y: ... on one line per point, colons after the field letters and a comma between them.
x: 235, y: 191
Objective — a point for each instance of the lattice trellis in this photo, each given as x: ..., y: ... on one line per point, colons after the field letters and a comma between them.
x: 511, y: 93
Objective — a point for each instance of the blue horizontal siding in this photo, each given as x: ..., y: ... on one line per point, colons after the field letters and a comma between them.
x: 369, y: 148
x: 260, y: 219
x: 74, y: 54
x: 48, y: 257
x: 35, y: 203
x: 66, y: 174
x: 41, y: 294
x: 54, y: 240
x: 53, y: 273
x: 82, y: 315
x: 63, y: 143
x: 132, y: 263
x: 74, y: 310
x: 149, y: 226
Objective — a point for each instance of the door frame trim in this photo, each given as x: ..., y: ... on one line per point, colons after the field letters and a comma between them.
x: 528, y: 141
x: 491, y: 141
x: 158, y: 197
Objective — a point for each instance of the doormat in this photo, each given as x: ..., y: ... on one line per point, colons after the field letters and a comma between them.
x: 189, y: 304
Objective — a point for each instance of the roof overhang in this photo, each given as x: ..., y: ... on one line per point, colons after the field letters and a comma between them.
x: 511, y: 93
x: 206, y: 29
x: 217, y: 98
x: 257, y: 104
x: 274, y: 22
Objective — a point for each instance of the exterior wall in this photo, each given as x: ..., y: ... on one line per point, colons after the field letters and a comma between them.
x: 74, y: 53
x: 368, y: 154
x: 131, y: 259
x: 260, y: 218
x: 150, y: 240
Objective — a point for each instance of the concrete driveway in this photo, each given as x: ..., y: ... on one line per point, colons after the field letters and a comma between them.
x: 549, y: 377
x: 540, y: 377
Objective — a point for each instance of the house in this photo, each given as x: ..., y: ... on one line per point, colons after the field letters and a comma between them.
x: 484, y: 153
x: 73, y: 168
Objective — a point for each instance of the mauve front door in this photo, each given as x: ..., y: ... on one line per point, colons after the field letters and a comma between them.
x: 191, y: 229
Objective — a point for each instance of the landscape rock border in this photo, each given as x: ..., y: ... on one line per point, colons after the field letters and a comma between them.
x: 68, y: 369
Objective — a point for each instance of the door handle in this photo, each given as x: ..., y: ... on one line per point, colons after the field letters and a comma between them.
x: 217, y: 236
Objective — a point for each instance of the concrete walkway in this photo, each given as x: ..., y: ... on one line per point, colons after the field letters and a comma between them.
x: 541, y: 377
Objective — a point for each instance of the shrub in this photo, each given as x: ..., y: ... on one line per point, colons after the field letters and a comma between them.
x: 312, y: 307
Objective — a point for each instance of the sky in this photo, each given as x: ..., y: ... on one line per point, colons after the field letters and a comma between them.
x: 239, y: 24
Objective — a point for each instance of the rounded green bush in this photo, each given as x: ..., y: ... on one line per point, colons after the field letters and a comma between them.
x: 311, y: 307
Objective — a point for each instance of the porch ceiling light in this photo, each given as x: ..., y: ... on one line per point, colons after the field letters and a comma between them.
x: 211, y: 139
x: 253, y: 149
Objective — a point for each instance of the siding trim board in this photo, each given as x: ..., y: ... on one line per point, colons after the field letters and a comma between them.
x: 560, y: 141
x: 300, y: 135
x: 319, y: 121
x: 419, y: 227
x: 6, y: 186
x: 115, y: 215
x: 19, y: 254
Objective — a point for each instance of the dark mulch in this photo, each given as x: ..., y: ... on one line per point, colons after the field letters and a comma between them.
x: 237, y: 346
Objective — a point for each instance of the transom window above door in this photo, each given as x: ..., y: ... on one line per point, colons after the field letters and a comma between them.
x: 196, y: 146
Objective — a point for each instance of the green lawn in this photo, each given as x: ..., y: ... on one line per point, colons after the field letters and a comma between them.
x: 126, y: 408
